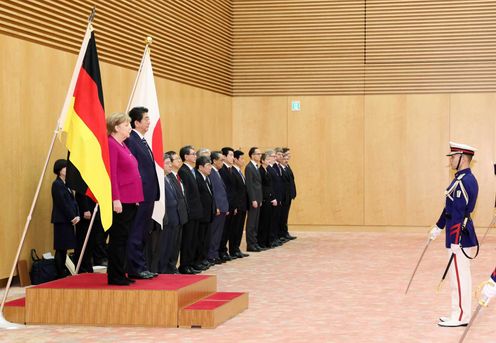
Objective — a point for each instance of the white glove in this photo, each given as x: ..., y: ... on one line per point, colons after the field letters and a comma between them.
x: 488, y: 291
x: 435, y: 231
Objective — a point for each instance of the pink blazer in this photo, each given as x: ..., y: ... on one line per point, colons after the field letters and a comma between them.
x: 124, y: 174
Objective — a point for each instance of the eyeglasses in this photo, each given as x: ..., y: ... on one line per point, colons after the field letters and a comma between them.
x: 257, y: 153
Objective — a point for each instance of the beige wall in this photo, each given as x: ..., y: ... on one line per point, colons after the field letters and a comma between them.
x: 34, y: 82
x: 373, y: 161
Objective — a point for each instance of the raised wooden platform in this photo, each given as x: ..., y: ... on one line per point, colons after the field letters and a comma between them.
x: 87, y: 299
x: 14, y: 311
x: 213, y: 310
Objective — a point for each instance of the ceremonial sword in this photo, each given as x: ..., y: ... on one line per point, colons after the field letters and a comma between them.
x: 482, y: 303
x: 418, y: 263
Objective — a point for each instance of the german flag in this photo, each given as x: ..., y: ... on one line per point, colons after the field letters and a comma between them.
x: 83, y: 121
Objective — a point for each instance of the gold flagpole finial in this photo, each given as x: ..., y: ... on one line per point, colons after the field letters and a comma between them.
x: 149, y: 40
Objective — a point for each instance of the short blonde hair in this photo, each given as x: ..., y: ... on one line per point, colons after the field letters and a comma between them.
x: 116, y: 119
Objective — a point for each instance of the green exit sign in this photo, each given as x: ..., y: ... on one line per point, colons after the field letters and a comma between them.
x: 295, y: 105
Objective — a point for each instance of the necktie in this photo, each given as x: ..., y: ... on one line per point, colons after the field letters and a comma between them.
x: 241, y: 174
x: 180, y: 184
x: 147, y: 147
x: 209, y: 185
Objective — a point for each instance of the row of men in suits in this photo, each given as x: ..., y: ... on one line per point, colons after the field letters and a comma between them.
x: 208, y: 197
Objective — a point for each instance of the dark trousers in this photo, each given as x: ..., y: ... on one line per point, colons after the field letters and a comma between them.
x: 216, y: 230
x: 152, y: 246
x: 275, y: 223
x: 170, y: 242
x: 252, y: 226
x: 237, y: 232
x: 226, y: 232
x: 283, y: 229
x: 136, y: 262
x: 60, y: 256
x: 189, y: 243
x: 118, y: 234
x: 264, y: 224
x: 204, y: 233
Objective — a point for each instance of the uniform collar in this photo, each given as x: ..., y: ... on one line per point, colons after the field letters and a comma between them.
x: 463, y: 171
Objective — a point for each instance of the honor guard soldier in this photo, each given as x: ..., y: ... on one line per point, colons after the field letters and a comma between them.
x: 461, y: 196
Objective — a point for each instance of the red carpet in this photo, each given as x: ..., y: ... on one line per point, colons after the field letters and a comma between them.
x: 213, y: 301
x: 96, y: 281
x: 21, y: 302
x: 223, y: 296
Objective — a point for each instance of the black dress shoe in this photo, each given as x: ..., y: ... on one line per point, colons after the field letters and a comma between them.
x: 253, y: 249
x: 123, y: 282
x: 288, y: 236
x: 218, y: 261
x: 199, y: 266
x: 152, y: 274
x: 239, y: 254
x: 130, y: 280
x: 234, y: 256
x: 141, y: 275
x: 260, y: 248
x: 225, y: 257
x: 188, y: 270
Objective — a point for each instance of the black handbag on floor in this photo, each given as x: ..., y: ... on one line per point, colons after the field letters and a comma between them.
x: 42, y: 270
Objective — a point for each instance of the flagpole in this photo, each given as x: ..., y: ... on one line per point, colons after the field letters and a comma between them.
x: 4, y: 324
x: 83, y: 249
x: 148, y: 42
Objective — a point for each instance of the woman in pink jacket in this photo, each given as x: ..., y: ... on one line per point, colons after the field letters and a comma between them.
x: 127, y: 192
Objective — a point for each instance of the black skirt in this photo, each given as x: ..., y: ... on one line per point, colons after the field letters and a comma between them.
x: 64, y: 236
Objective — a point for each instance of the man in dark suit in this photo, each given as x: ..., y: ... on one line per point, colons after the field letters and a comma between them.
x: 189, y: 240
x: 279, y: 188
x: 182, y: 208
x: 228, y: 178
x: 136, y: 262
x: 222, y: 207
x: 242, y: 199
x: 203, y: 170
x: 291, y: 192
x: 170, y: 238
x: 255, y: 197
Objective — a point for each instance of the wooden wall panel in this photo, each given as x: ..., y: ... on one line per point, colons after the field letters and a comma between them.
x: 35, y: 84
x: 331, y: 47
x: 260, y: 121
x: 405, y: 169
x: 326, y: 140
x: 192, y: 39
x: 298, y: 47
x: 472, y: 121
x: 194, y: 116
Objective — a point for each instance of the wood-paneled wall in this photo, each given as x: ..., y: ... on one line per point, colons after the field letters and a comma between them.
x: 338, y: 47
x: 373, y: 161
x: 35, y: 79
x: 192, y: 39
